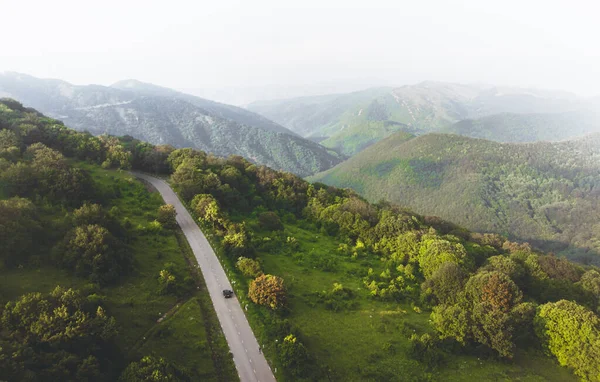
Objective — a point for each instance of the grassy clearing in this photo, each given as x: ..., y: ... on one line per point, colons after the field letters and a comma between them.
x: 370, y: 341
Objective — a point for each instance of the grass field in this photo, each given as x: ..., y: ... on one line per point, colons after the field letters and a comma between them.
x: 370, y: 340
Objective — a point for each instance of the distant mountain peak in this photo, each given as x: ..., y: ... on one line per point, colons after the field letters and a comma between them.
x: 166, y: 116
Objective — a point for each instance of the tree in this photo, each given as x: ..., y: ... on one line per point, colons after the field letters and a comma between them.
x: 59, y: 336
x: 506, y: 265
x: 19, y: 224
x: 248, y: 267
x: 590, y: 282
x: 187, y: 178
x: 116, y: 155
x: 152, y: 369
x: 166, y: 216
x: 206, y: 208
x: 91, y: 251
x: 571, y: 333
x: 294, y: 357
x: 8, y: 139
x: 435, y: 251
x: 268, y: 290
x: 177, y: 157
x: 270, y: 221
x: 445, y: 284
x: 237, y: 241
x: 484, y: 313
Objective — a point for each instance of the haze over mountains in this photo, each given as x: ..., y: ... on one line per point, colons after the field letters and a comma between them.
x: 164, y: 116
x: 353, y: 121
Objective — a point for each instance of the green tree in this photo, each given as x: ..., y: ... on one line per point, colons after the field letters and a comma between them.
x: 435, y: 251
x: 485, y: 313
x: 294, y: 356
x: 571, y: 333
x: 54, y: 337
x: 445, y: 284
x: 237, y: 241
x: 268, y: 290
x: 206, y: 208
x: 92, y: 251
x: 187, y: 178
x: 270, y: 221
x: 19, y: 225
x: 248, y: 267
x: 116, y: 155
x: 166, y: 216
x: 590, y: 282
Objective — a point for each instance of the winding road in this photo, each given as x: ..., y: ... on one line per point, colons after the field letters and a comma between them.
x: 249, y: 361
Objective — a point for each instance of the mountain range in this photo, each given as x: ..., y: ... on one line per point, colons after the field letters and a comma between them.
x: 547, y: 193
x: 353, y: 121
x: 164, y: 116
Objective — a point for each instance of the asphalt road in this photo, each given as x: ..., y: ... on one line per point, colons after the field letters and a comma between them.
x: 250, y: 363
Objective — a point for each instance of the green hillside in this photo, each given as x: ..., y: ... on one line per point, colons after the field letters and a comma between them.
x: 509, y: 127
x: 81, y: 257
x: 351, y: 122
x: 163, y: 116
x: 335, y: 288
x: 544, y: 193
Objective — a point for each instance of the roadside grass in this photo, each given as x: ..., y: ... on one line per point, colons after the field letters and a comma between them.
x: 179, y: 334
x: 134, y: 300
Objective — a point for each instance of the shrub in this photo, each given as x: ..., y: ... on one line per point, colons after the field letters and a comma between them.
x: 270, y: 221
x: 166, y: 216
x: 268, y: 290
x: 248, y: 267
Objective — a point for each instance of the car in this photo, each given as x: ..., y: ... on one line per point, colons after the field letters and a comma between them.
x: 228, y: 293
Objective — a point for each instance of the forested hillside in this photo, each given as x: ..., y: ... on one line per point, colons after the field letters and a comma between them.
x: 97, y: 283
x: 544, y: 193
x: 351, y: 122
x: 335, y: 288
x: 163, y: 116
x: 510, y: 127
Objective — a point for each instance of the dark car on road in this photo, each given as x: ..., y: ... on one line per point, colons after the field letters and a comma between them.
x: 227, y: 293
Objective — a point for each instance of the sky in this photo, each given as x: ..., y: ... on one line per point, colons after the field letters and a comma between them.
x: 239, y: 51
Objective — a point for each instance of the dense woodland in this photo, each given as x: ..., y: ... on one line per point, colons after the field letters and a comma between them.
x: 427, y: 296
x: 543, y: 193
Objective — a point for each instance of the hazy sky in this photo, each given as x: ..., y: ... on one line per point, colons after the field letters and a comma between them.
x: 253, y: 44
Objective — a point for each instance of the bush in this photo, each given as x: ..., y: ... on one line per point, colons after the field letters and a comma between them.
x: 270, y: 221
x: 426, y: 349
x: 166, y: 216
x: 268, y: 290
x: 248, y: 267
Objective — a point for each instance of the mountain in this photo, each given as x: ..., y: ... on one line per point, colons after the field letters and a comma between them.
x: 544, y: 193
x: 350, y: 122
x: 511, y: 127
x: 163, y: 116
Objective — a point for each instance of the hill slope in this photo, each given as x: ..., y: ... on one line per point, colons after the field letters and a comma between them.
x: 546, y: 193
x: 351, y: 122
x: 82, y: 263
x: 335, y: 288
x: 163, y: 116
x: 510, y: 127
